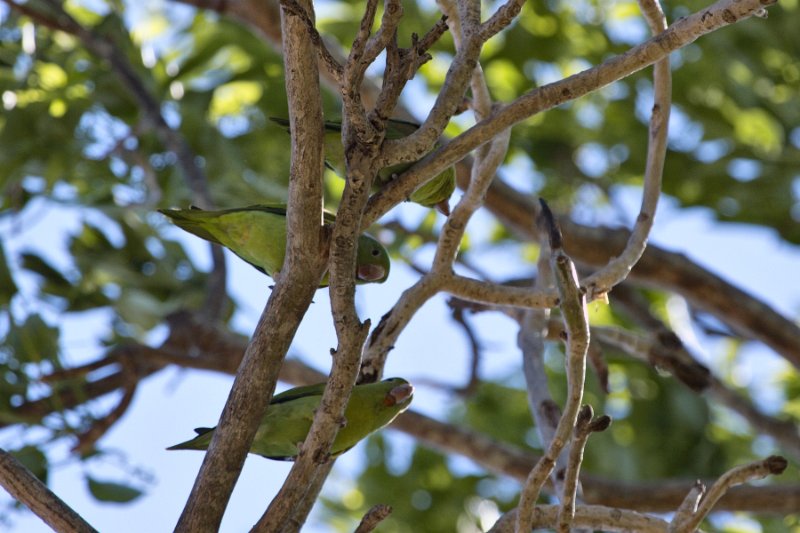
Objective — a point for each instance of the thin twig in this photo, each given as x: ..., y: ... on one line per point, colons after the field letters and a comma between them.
x: 387, y: 331
x: 478, y: 291
x: 584, y: 427
x: 373, y: 517
x: 573, y: 312
x: 501, y: 19
x: 401, y: 65
x: 771, y: 466
x: 681, y: 33
x: 392, y: 13
x: 599, y: 283
x: 30, y: 491
x: 448, y: 101
x: 354, y: 114
x: 473, y: 381
x: 688, y: 506
x: 87, y: 440
x: 393, y: 323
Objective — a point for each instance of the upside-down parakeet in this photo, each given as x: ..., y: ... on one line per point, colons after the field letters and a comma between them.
x: 257, y: 234
x: 289, y: 415
x: 435, y: 193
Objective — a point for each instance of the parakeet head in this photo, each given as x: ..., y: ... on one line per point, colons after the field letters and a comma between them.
x: 372, y: 261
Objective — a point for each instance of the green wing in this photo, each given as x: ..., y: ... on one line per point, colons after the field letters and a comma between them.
x: 298, y: 392
x: 190, y: 221
x: 257, y: 234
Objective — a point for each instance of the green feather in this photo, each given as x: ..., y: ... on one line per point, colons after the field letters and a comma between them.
x: 289, y: 416
x: 257, y: 234
x: 434, y: 193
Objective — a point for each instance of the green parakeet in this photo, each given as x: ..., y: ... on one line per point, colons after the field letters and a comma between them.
x: 257, y: 234
x: 289, y: 415
x: 435, y: 193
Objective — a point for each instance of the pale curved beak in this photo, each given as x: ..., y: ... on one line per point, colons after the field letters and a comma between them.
x: 370, y: 272
x: 444, y: 207
x: 400, y: 394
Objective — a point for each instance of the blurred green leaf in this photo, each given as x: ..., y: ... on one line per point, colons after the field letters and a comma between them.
x: 34, y: 460
x: 8, y: 288
x: 33, y: 341
x: 107, y: 491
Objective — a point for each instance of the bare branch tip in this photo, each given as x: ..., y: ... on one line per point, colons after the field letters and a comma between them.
x: 776, y: 464
x: 601, y: 424
x: 585, y: 416
x: 373, y: 517
x: 548, y: 223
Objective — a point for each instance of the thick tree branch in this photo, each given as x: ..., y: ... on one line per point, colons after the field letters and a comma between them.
x: 294, y: 288
x: 587, y: 516
x: 30, y: 491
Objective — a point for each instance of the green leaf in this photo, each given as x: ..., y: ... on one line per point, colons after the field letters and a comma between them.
x: 54, y: 279
x: 33, y: 341
x: 34, y: 460
x: 7, y: 286
x: 107, y: 491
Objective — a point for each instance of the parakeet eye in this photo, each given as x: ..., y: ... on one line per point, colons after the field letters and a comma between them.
x: 375, y: 252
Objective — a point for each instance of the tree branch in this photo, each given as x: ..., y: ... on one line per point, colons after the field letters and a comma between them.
x: 681, y: 33
x: 587, y: 516
x: 599, y: 283
x: 214, y: 349
x: 373, y: 517
x: 29, y: 490
x: 688, y: 506
x: 576, y: 323
x: 294, y: 289
x: 584, y: 427
x: 774, y: 465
